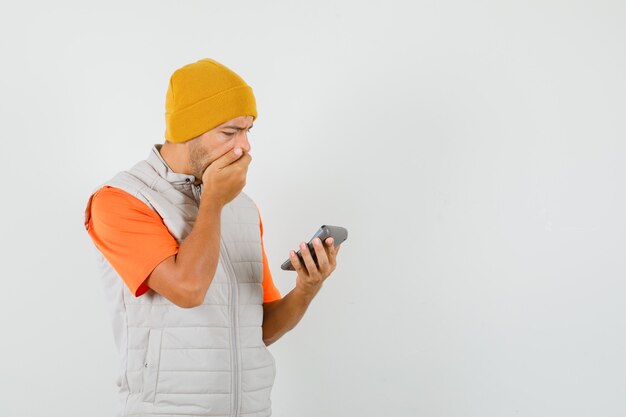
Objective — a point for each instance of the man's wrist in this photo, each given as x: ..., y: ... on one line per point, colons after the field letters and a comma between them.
x: 307, y: 294
x: 209, y: 204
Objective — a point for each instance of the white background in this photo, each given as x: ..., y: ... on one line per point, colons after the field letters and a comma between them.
x: 474, y: 150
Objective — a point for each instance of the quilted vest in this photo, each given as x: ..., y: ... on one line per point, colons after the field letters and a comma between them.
x: 209, y: 360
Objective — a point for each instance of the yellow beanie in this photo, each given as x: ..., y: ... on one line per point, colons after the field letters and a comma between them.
x: 204, y: 95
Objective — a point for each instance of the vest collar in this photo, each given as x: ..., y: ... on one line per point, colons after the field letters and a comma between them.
x: 157, y: 162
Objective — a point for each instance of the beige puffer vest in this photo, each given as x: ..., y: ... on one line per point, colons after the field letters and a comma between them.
x: 204, y: 361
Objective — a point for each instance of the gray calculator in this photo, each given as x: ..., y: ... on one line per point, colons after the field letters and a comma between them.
x: 338, y: 233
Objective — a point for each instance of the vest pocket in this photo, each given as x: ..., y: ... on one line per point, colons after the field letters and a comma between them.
x: 151, y: 365
x: 273, y: 362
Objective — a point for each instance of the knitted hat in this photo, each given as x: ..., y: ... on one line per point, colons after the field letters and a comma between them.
x: 204, y: 95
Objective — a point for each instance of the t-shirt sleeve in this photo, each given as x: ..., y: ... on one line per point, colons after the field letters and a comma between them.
x: 270, y: 292
x: 130, y: 235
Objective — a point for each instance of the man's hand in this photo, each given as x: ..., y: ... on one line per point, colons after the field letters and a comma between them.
x: 282, y: 315
x: 311, y: 277
x: 225, y: 177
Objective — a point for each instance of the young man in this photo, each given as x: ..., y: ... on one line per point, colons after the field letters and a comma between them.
x: 180, y: 248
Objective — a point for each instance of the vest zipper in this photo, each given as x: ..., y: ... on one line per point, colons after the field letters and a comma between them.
x: 235, y: 324
x: 196, y: 192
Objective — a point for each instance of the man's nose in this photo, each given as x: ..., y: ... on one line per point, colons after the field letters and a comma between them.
x: 242, y: 142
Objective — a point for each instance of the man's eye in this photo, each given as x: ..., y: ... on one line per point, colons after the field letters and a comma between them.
x: 229, y: 133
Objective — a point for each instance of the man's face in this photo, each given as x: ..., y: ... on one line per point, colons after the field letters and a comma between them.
x: 209, y: 146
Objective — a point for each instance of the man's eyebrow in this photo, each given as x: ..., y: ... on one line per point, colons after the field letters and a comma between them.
x: 236, y: 127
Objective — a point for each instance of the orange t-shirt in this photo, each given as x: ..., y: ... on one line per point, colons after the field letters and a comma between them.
x: 134, y: 239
